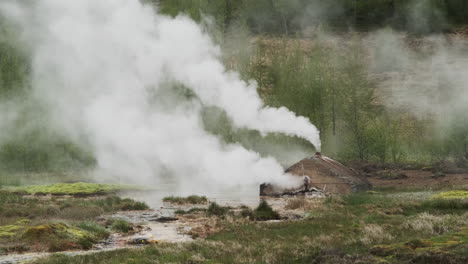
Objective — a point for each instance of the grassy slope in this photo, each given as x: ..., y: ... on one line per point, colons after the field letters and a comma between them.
x: 369, y: 228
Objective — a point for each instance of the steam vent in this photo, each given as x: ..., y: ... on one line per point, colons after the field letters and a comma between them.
x: 324, y: 174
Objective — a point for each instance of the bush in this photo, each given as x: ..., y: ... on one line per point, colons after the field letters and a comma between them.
x: 264, y: 212
x: 246, y: 212
x: 216, y: 210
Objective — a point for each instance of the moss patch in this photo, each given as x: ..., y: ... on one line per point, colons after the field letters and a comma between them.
x: 58, y: 230
x: 60, y: 237
x: 9, y: 231
x: 79, y: 188
x: 437, y: 245
x: 452, y: 195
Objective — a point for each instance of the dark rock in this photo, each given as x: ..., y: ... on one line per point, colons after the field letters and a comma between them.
x: 165, y: 219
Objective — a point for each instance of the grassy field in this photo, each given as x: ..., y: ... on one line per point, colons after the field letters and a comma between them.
x: 375, y: 227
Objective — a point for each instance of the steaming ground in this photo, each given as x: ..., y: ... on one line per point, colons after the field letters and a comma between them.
x: 131, y: 84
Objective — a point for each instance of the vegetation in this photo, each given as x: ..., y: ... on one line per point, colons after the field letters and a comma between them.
x: 288, y: 17
x: 377, y: 227
x: 56, y: 224
x: 79, y: 188
x: 264, y: 212
x: 216, y: 210
x: 329, y: 84
x: 121, y: 226
x: 59, y: 237
x: 452, y: 195
x: 192, y: 199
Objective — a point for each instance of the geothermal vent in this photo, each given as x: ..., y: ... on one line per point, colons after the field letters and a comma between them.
x: 324, y: 174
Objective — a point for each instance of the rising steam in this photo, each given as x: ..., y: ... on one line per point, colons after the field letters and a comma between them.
x: 131, y: 84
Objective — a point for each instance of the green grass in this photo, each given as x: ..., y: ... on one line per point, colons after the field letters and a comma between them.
x: 192, y: 199
x: 79, y: 188
x: 373, y: 227
x: 121, y: 226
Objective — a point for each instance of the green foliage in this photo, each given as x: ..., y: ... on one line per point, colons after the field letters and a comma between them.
x: 264, y: 212
x: 289, y: 17
x: 216, y: 210
x: 122, y: 226
x: 446, y: 204
x: 41, y: 151
x: 14, y: 64
x: 99, y: 231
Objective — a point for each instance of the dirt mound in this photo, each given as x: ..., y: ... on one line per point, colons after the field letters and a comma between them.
x: 325, y: 174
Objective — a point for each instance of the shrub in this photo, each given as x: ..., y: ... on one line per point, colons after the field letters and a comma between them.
x: 216, y: 210
x: 246, y: 212
x: 264, y: 212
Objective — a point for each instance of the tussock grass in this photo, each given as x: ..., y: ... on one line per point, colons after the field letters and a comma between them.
x: 192, y: 199
x: 121, y: 225
x: 373, y: 234
x: 216, y: 210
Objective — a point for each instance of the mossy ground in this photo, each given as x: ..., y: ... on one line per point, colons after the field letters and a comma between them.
x: 79, y: 188
x: 55, y: 223
x: 452, y: 195
x: 376, y: 227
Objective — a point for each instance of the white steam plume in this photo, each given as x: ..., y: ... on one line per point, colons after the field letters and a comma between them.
x: 103, y: 68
